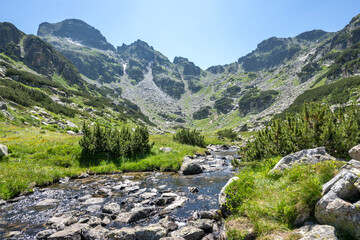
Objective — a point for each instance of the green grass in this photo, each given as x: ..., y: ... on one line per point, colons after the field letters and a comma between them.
x: 39, y: 157
x: 272, y: 202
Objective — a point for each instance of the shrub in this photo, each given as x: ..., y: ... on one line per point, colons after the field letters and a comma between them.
x: 315, y: 126
x: 117, y: 143
x: 227, y: 133
x: 189, y: 137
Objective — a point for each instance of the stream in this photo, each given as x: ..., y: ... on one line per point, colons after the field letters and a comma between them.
x: 84, y: 200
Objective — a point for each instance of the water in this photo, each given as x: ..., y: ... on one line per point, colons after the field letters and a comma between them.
x: 28, y: 217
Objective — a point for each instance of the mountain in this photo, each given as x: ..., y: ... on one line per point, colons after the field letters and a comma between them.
x: 44, y: 87
x: 254, y: 88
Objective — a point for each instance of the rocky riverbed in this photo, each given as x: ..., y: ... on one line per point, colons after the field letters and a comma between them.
x: 125, y: 206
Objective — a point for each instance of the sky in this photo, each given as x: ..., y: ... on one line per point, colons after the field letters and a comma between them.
x: 207, y: 32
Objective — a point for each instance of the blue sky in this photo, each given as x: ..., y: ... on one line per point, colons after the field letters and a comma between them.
x: 208, y: 32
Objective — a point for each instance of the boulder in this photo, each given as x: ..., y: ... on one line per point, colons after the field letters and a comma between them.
x: 73, y: 232
x: 306, y: 156
x: 61, y: 221
x: 3, y: 150
x: 166, y: 149
x: 45, y: 233
x: 3, y: 106
x: 316, y: 232
x: 355, y: 152
x: 96, y: 233
x: 111, y: 208
x: 124, y: 233
x: 189, y: 233
x: 223, y: 197
x: 48, y: 202
x: 93, y: 201
x: 151, y: 232
x: 168, y: 224
x: 190, y: 167
x: 340, y: 202
x: 204, y: 224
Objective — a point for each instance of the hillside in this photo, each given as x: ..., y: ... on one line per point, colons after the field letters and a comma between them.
x: 41, y: 87
x: 257, y: 86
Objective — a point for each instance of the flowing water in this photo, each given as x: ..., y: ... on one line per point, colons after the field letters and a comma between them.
x: 28, y: 214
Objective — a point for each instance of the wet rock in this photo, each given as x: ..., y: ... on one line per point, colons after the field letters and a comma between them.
x: 189, y: 233
x: 178, y: 202
x: 137, y: 214
x: 94, y: 208
x: 165, y: 199
x: 166, y: 149
x: 61, y: 221
x: 111, y: 208
x: 190, y: 167
x: 13, y: 234
x: 106, y: 220
x: 96, y: 233
x: 148, y: 195
x: 168, y: 224
x: 85, y: 197
x: 223, y: 197
x: 3, y: 150
x: 45, y: 233
x: 94, y: 221
x: 48, y: 202
x: 193, y: 189
x: 355, y: 152
x: 124, y: 233
x: 340, y: 202
x: 93, y: 201
x: 204, y: 224
x: 306, y: 156
x: 67, y: 234
x: 211, y: 214
x: 123, y: 217
x: 151, y: 232
x: 103, y: 192
x: 131, y: 189
x: 315, y: 232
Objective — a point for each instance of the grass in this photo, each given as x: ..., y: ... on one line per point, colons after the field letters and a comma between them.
x: 272, y: 202
x: 39, y: 157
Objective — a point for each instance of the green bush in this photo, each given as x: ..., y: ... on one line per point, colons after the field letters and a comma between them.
x: 116, y: 143
x: 189, y: 137
x: 315, y: 126
x: 227, y: 133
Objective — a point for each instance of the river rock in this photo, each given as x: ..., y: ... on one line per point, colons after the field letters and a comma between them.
x: 355, y: 152
x: 96, y: 233
x: 204, y: 224
x: 168, y: 224
x: 151, y: 232
x: 61, y: 221
x: 85, y: 197
x: 223, y: 197
x: 45, y: 233
x: 178, y: 202
x: 166, y: 149
x: 193, y: 189
x: 172, y: 238
x: 306, y: 156
x: 111, y: 208
x: 189, y: 233
x: 94, y: 221
x: 48, y: 202
x: 316, y: 232
x: 3, y: 150
x: 124, y: 233
x: 93, y: 201
x: 139, y: 213
x: 190, y: 167
x: 340, y: 202
x: 210, y: 214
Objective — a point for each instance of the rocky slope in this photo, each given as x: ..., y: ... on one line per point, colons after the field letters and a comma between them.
x: 179, y: 92
x: 39, y: 83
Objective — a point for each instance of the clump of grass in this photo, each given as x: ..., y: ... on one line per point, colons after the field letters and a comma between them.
x: 272, y: 202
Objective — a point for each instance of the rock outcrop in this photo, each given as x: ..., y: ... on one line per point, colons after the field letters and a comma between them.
x: 223, y: 198
x: 355, y: 152
x: 3, y: 150
x: 340, y: 202
x: 316, y: 232
x: 306, y: 156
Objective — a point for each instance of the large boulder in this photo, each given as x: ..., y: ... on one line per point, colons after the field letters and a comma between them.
x: 306, y: 156
x: 3, y: 150
x: 340, y: 202
x: 124, y: 233
x: 355, y: 152
x: 316, y: 232
x: 189, y: 233
x: 190, y: 167
x: 223, y: 197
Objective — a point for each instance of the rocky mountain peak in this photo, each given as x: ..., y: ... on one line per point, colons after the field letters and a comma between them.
x: 78, y: 31
x: 189, y: 68
x: 312, y: 36
x: 9, y: 33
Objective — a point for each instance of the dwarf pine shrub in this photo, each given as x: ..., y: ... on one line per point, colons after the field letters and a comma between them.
x: 118, y: 143
x: 189, y: 137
